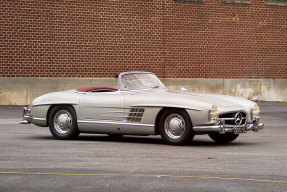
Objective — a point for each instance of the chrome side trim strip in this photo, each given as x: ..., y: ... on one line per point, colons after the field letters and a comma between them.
x: 166, y: 105
x: 114, y: 123
x: 116, y: 112
x: 119, y: 108
x: 124, y: 112
x: 42, y: 104
x: 120, y: 116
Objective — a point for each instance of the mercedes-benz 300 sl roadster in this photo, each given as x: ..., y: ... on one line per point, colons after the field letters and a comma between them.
x: 142, y: 105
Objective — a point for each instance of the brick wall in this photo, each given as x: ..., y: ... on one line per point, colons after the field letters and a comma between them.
x: 174, y: 39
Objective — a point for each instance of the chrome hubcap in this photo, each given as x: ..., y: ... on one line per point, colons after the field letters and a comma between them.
x: 63, y: 121
x: 174, y: 126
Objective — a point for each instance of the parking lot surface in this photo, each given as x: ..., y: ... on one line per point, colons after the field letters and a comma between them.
x: 32, y: 160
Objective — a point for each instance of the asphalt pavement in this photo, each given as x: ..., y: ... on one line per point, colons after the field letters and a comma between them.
x: 32, y: 160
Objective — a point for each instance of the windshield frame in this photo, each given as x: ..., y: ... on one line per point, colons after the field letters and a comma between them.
x: 137, y: 72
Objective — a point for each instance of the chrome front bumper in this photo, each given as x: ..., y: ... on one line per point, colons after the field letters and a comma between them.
x: 223, y: 128
x: 26, y: 117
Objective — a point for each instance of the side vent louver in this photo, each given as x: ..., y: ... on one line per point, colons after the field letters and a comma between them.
x: 135, y: 115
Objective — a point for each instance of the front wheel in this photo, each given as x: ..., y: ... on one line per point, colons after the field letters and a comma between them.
x: 223, y: 138
x: 175, y: 127
x: 63, y: 122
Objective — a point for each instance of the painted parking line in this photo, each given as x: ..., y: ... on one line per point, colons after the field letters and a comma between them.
x: 144, y: 175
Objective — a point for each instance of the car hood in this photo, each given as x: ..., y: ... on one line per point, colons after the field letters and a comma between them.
x: 225, y: 102
x: 197, y: 101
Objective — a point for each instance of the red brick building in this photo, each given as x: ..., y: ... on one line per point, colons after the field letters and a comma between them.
x: 223, y: 40
x: 173, y: 38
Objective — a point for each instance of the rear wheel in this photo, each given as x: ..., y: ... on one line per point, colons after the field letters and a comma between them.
x: 63, y: 122
x: 223, y: 138
x: 175, y: 127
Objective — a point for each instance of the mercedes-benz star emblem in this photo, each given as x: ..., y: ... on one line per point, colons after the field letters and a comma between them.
x: 238, y: 118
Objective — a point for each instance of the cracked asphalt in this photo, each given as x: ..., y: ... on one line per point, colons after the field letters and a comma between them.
x: 32, y: 160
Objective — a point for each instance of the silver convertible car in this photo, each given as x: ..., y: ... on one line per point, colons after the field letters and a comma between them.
x: 142, y: 105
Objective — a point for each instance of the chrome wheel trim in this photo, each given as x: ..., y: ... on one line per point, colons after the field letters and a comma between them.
x: 63, y: 121
x: 174, y: 126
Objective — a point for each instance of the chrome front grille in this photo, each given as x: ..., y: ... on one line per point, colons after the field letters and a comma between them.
x: 135, y: 115
x: 234, y: 118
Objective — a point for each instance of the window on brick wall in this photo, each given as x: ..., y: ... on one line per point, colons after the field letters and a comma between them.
x: 277, y: 2
x: 246, y: 2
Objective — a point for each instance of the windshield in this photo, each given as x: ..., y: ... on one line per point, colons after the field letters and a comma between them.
x: 136, y: 81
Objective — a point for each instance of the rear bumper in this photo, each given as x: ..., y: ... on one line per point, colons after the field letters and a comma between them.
x: 26, y: 117
x: 223, y: 128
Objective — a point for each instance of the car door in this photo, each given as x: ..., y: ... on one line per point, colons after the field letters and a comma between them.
x: 102, y: 106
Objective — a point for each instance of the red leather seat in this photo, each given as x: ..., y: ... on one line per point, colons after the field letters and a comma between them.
x: 96, y: 89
